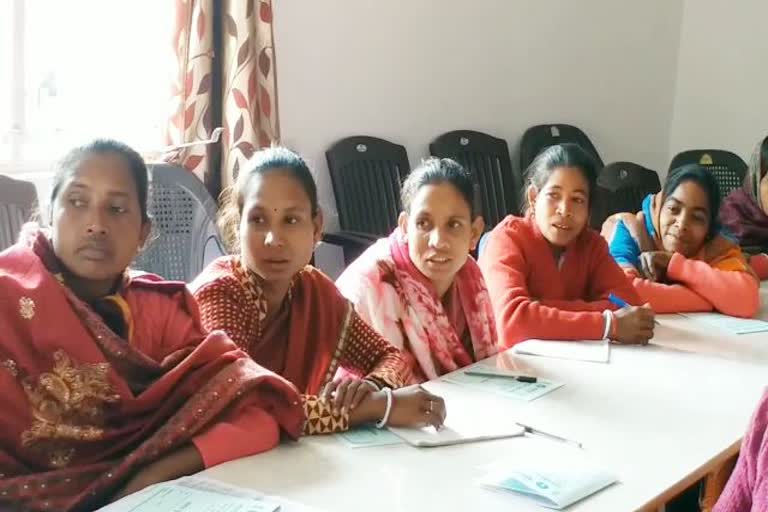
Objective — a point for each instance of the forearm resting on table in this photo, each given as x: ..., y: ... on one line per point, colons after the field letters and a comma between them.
x: 323, y: 419
x: 184, y: 461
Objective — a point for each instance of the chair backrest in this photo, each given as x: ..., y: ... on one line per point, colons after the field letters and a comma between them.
x: 184, y: 235
x: 366, y: 175
x: 538, y: 138
x: 17, y: 201
x: 621, y: 187
x: 729, y: 169
x: 487, y: 158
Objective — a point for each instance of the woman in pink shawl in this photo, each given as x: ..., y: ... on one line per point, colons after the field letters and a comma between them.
x: 747, y: 489
x: 419, y: 288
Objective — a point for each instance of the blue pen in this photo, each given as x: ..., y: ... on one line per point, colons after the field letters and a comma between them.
x: 622, y: 303
x: 617, y: 301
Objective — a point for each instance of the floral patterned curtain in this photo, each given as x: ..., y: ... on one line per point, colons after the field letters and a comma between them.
x: 226, y: 77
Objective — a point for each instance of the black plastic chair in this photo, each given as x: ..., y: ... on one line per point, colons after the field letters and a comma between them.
x: 17, y: 201
x: 538, y: 138
x: 366, y: 175
x: 729, y: 169
x: 487, y: 158
x: 621, y: 187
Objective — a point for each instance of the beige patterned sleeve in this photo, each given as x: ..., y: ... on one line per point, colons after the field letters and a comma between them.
x: 367, y: 354
x: 320, y: 417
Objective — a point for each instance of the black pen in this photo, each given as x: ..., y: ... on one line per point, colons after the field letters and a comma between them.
x: 490, y: 373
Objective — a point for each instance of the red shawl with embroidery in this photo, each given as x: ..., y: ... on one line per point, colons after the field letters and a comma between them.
x: 83, y: 409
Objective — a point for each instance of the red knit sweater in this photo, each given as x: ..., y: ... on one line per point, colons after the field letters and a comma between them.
x: 533, y: 298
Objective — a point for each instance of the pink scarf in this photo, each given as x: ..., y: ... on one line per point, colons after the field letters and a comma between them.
x: 431, y: 334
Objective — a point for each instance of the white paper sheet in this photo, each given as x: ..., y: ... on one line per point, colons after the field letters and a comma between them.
x: 591, y: 351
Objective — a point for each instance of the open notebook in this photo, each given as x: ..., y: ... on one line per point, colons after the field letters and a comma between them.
x: 467, y: 420
x: 591, y: 351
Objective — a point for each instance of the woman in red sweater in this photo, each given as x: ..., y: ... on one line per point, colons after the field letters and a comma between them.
x: 548, y: 274
x: 674, y: 253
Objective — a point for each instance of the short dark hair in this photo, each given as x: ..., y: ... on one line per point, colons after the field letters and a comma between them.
x: 435, y: 170
x: 69, y: 164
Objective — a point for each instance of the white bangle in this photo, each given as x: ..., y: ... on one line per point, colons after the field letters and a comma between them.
x: 387, y: 411
x: 608, y: 324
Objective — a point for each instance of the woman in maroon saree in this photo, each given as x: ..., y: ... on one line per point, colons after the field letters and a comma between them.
x: 290, y: 317
x: 744, y: 212
x: 108, y: 382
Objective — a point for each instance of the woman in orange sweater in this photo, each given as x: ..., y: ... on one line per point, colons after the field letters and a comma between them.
x: 548, y: 274
x: 674, y: 253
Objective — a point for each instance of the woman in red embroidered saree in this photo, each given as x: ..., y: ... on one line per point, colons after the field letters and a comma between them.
x: 108, y: 383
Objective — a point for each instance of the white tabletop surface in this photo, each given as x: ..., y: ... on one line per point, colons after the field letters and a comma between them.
x: 659, y: 416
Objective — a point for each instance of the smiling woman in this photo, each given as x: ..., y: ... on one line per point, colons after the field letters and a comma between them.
x: 674, y: 253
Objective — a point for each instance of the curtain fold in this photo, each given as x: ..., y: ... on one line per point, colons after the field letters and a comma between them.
x: 225, y: 77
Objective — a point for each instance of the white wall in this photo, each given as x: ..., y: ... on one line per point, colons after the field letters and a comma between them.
x: 408, y: 70
x: 721, y: 98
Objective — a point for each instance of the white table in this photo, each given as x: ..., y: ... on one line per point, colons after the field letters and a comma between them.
x: 660, y: 416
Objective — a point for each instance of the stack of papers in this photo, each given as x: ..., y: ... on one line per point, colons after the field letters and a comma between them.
x: 591, y: 351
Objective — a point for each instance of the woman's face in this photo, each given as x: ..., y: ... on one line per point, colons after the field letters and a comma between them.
x: 441, y: 232
x: 96, y: 222
x: 684, y: 220
x: 764, y: 192
x: 561, y: 207
x: 278, y: 230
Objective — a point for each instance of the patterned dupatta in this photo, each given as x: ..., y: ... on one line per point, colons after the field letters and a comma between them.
x: 304, y: 340
x: 431, y: 330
